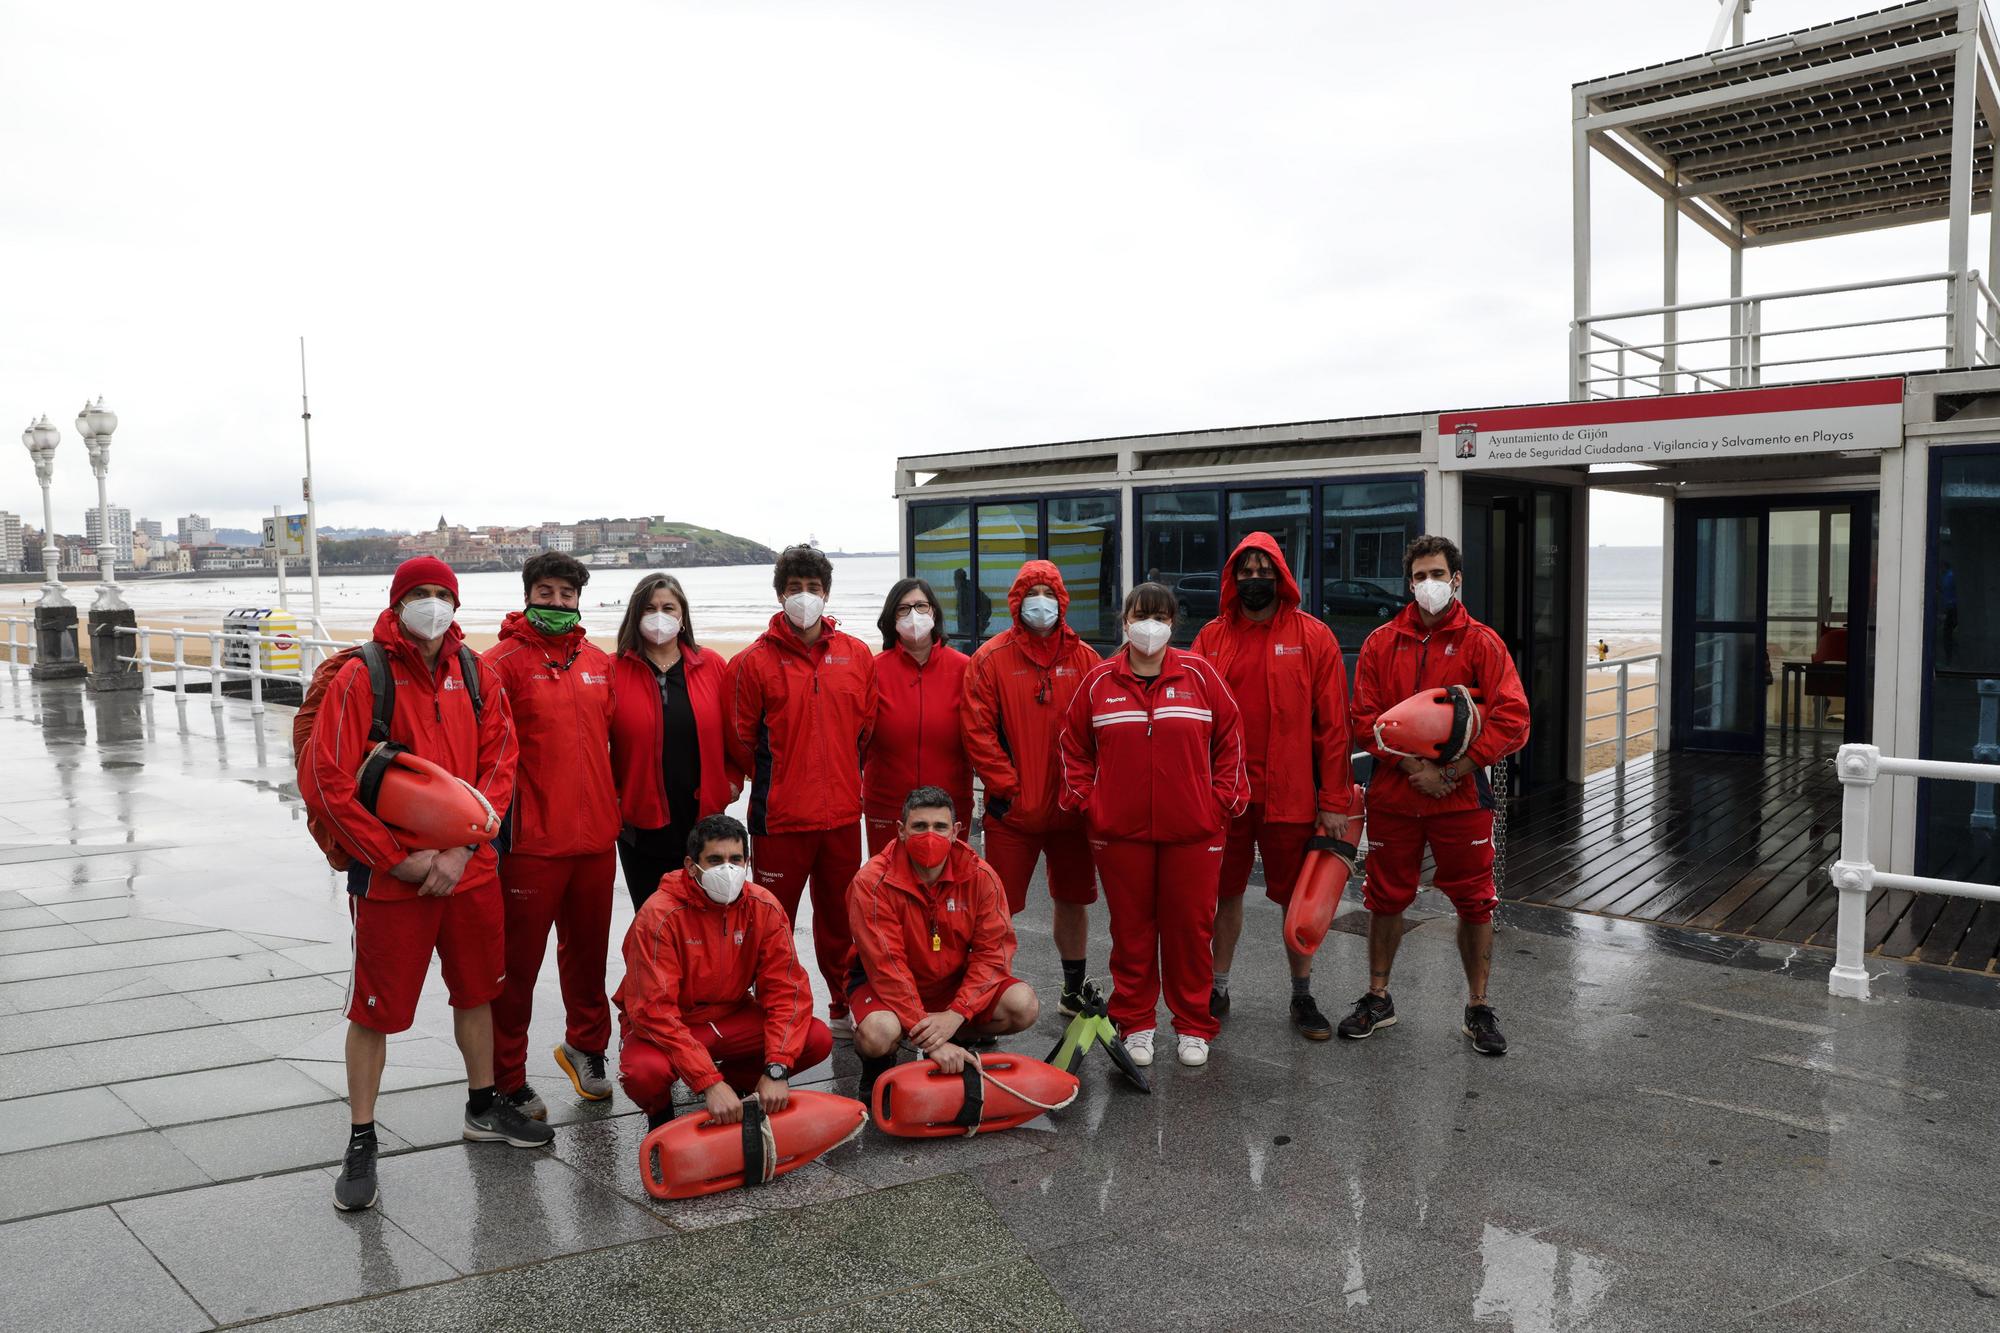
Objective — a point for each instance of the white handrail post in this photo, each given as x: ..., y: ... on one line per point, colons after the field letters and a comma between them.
x: 1579, y: 362
x: 257, y: 678
x: 1622, y: 669
x: 145, y: 662
x: 215, y: 670
x: 1853, y: 874
x: 1753, y: 330
x: 180, y: 664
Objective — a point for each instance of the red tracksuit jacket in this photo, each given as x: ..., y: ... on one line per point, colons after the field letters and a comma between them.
x: 894, y: 918
x: 1402, y: 657
x: 1307, y: 765
x: 1017, y: 693
x: 560, y: 692
x: 1159, y: 764
x: 434, y: 718
x: 638, y: 734
x: 799, y: 720
x: 917, y: 741
x: 689, y: 959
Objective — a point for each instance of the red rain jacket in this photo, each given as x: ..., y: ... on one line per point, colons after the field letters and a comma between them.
x: 917, y: 741
x: 1017, y: 691
x: 638, y: 737
x: 689, y: 959
x: 894, y: 918
x: 1402, y: 657
x: 434, y: 718
x: 1163, y: 764
x: 799, y: 720
x: 560, y: 691
x: 1306, y: 765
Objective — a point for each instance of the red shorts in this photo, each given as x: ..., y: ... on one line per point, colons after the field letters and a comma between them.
x: 394, y: 940
x: 1012, y: 854
x: 1461, y: 844
x: 1283, y: 847
x: 863, y: 1001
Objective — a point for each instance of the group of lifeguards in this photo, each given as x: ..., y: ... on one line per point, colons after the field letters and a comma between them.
x: 1161, y: 772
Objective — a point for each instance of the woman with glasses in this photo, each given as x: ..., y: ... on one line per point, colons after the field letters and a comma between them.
x: 917, y: 740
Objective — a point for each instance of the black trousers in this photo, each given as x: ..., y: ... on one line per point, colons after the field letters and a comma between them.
x: 650, y: 854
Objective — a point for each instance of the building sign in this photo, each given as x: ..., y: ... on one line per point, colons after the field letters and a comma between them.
x: 288, y: 540
x: 1737, y: 423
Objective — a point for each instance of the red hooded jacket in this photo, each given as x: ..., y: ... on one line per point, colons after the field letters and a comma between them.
x: 689, y: 959
x: 1305, y: 767
x: 799, y: 720
x: 917, y: 741
x: 560, y: 692
x: 1402, y: 657
x: 435, y: 719
x: 638, y: 737
x: 894, y: 917
x: 1158, y: 764
x: 1017, y: 691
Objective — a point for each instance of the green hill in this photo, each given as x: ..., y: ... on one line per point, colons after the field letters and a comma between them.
x: 710, y: 547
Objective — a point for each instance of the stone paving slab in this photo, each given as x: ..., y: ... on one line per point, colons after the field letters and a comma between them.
x: 91, y: 1171
x: 122, y: 1288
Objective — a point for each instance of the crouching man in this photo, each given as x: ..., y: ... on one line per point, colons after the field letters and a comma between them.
x: 933, y: 946
x: 713, y: 992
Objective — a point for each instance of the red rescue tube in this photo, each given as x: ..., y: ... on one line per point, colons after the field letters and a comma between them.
x: 693, y: 1155
x: 1323, y: 877
x: 920, y: 1101
x: 1438, y: 724
x: 426, y: 807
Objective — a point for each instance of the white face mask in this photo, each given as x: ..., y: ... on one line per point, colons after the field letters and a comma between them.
x: 660, y: 626
x: 915, y: 626
x: 1039, y: 610
x: 804, y: 609
x: 1148, y: 636
x: 724, y: 883
x: 1434, y: 595
x: 427, y: 617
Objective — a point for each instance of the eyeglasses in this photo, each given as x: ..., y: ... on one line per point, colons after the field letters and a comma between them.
x: 907, y: 607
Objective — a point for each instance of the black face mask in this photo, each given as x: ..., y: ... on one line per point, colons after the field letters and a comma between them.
x: 1256, y: 594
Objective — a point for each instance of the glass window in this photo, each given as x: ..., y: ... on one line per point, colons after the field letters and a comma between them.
x: 1959, y: 838
x: 1364, y: 526
x: 1083, y: 542
x: 941, y: 547
x: 1009, y: 537
x: 1180, y: 541
x: 1285, y: 514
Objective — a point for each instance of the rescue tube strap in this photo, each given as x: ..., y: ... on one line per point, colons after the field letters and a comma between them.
x: 760, y: 1147
x: 369, y: 780
x: 974, y: 1107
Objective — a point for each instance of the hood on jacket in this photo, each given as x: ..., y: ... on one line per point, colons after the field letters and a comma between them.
x: 390, y: 633
x: 962, y: 863
x: 1038, y: 571
x: 784, y: 634
x: 517, y: 626
x: 1409, y: 620
x: 1288, y: 587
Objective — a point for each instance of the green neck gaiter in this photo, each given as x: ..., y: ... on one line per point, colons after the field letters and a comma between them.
x: 553, y: 620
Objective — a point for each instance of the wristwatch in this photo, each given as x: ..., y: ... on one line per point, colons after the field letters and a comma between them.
x: 1451, y: 771
x: 778, y: 1072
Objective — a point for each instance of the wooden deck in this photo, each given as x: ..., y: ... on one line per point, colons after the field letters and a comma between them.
x: 1732, y: 843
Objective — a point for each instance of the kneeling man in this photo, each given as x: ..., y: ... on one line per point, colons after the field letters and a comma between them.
x: 713, y: 991
x: 933, y: 946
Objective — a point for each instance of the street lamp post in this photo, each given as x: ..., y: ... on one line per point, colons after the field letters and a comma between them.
x: 111, y: 621
x: 55, y: 619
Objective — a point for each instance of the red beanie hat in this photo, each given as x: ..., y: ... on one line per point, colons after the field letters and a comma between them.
x: 419, y: 570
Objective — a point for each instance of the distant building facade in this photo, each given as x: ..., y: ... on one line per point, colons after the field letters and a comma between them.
x: 12, y: 554
x: 194, y: 530
x: 120, y: 539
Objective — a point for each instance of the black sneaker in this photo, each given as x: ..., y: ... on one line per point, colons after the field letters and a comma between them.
x: 1218, y: 1004
x: 355, y: 1188
x: 1484, y: 1029
x: 1371, y: 1011
x: 528, y: 1102
x: 504, y: 1123
x: 1310, y: 1022
x: 1070, y: 1004
x: 872, y: 1068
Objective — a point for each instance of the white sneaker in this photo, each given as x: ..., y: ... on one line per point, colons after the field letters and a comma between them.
x: 1193, y: 1050
x: 842, y: 1026
x: 1139, y: 1045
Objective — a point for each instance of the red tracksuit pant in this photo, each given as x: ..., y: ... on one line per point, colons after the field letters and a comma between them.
x: 573, y: 894
x: 1461, y: 844
x: 1283, y: 847
x: 1162, y: 901
x: 830, y: 859
x: 735, y: 1041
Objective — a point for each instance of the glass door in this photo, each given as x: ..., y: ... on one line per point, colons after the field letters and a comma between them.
x: 1724, y: 675
x: 1517, y: 582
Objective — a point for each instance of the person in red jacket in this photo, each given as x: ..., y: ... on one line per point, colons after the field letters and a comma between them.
x: 1152, y: 753
x: 801, y: 706
x: 917, y: 742
x: 1017, y: 692
x: 933, y: 945
x: 713, y: 992
x: 1285, y: 670
x: 407, y: 905
x: 556, y: 863
x: 667, y: 725
x: 1414, y: 803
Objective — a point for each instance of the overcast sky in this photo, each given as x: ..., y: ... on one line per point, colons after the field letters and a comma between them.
x: 726, y: 261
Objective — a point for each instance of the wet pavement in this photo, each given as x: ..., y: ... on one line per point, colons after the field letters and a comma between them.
x: 1688, y: 1134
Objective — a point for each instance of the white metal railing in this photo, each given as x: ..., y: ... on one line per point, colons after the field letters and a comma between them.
x: 20, y: 642
x: 1622, y: 689
x: 1855, y: 874
x: 1605, y: 365
x: 257, y: 646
